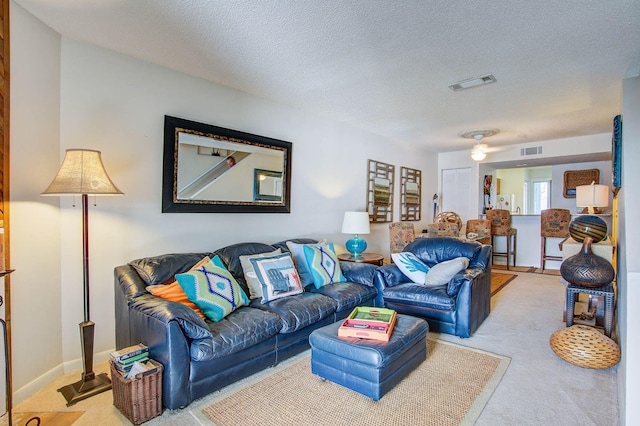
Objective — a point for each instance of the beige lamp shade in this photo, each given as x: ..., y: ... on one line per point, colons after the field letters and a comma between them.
x: 592, y: 196
x: 82, y: 172
x: 356, y: 223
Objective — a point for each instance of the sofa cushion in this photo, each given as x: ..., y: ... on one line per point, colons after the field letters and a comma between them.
x: 161, y: 269
x: 436, y: 250
x: 250, y: 277
x: 213, y: 289
x: 299, y: 311
x: 348, y: 295
x: 323, y: 264
x: 414, y: 268
x: 278, y: 277
x: 239, y: 330
x: 442, y: 272
x: 420, y: 295
x: 230, y: 256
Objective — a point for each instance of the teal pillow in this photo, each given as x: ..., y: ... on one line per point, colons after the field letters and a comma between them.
x: 297, y: 251
x: 278, y: 276
x: 213, y: 289
x: 324, y: 265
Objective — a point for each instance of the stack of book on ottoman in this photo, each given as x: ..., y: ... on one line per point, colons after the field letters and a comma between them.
x: 369, y: 323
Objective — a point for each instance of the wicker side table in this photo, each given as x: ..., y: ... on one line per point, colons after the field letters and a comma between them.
x: 608, y: 292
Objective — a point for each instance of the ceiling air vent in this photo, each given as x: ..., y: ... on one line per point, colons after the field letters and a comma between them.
x: 534, y: 150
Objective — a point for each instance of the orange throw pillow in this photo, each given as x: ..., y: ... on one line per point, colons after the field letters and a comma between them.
x: 174, y: 293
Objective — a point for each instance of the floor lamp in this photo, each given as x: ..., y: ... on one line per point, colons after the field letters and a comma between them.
x: 82, y: 173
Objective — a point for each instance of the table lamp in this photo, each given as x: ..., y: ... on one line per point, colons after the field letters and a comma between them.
x: 356, y: 223
x: 82, y: 173
x: 592, y: 196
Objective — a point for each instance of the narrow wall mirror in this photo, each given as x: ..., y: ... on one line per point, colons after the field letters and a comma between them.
x: 410, y: 194
x: 380, y: 191
x: 210, y: 169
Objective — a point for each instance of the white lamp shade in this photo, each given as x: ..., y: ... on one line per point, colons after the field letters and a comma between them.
x: 82, y: 172
x: 356, y: 223
x: 592, y: 196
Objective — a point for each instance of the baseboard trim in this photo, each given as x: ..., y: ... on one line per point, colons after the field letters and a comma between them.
x: 60, y: 370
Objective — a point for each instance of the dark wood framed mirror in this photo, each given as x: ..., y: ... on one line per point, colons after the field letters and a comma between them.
x: 210, y: 169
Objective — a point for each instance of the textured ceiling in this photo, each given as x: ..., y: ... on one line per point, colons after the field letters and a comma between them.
x: 384, y: 65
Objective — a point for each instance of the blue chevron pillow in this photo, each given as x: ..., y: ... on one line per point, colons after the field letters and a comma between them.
x: 324, y: 265
x: 412, y: 267
x: 213, y: 289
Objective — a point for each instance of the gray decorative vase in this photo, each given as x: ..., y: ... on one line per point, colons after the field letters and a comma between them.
x: 587, y: 269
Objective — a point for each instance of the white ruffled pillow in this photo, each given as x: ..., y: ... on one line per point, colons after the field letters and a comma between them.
x: 442, y: 272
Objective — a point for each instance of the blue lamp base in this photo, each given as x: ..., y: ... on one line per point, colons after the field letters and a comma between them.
x: 356, y: 246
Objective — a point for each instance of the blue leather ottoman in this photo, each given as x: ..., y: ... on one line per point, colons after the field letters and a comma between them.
x: 369, y: 367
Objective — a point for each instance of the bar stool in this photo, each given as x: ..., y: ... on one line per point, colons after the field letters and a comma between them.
x: 482, y: 229
x: 501, y: 227
x: 554, y: 223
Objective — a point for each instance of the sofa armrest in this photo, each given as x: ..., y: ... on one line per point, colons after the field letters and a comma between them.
x: 165, y: 311
x: 361, y: 273
x: 482, y: 259
x: 387, y: 276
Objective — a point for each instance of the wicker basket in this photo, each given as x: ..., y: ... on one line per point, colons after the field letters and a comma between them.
x: 585, y: 347
x: 139, y: 398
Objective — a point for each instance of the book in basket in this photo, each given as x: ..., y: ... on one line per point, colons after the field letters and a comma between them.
x: 369, y: 323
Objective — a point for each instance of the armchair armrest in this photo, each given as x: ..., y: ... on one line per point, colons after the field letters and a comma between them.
x: 458, y: 280
x: 387, y: 276
x: 361, y: 273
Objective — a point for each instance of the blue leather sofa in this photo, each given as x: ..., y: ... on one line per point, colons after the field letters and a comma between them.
x: 200, y: 356
x: 458, y: 307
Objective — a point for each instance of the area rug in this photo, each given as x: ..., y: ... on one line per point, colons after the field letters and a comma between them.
x: 450, y: 388
x: 499, y: 281
x: 47, y: 418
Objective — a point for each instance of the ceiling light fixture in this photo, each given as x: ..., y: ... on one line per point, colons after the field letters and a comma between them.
x: 479, y: 151
x: 473, y: 82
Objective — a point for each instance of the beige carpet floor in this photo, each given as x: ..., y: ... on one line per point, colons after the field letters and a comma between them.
x: 294, y: 396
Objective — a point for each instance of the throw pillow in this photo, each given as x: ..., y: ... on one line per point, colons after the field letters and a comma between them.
x: 324, y: 265
x: 174, y: 293
x: 278, y: 276
x: 297, y: 252
x: 213, y: 289
x: 412, y: 267
x: 254, y: 284
x: 441, y: 273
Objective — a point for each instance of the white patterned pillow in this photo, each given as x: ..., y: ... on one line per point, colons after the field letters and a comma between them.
x: 213, y: 289
x: 254, y: 284
x: 324, y: 265
x: 412, y: 267
x: 278, y: 276
x: 441, y: 273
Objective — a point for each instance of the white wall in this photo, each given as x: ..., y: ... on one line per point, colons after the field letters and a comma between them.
x: 117, y: 104
x: 35, y: 220
x: 628, y: 255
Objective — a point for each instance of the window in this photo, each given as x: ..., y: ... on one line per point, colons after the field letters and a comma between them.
x: 541, y: 199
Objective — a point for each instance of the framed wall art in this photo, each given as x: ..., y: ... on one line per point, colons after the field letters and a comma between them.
x: 616, y: 154
x: 380, y: 181
x: 573, y: 178
x: 410, y: 194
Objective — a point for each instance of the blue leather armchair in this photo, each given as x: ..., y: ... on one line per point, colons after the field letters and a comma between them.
x: 458, y: 307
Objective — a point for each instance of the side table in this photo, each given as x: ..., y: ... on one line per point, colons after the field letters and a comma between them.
x: 373, y: 258
x: 607, y: 292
